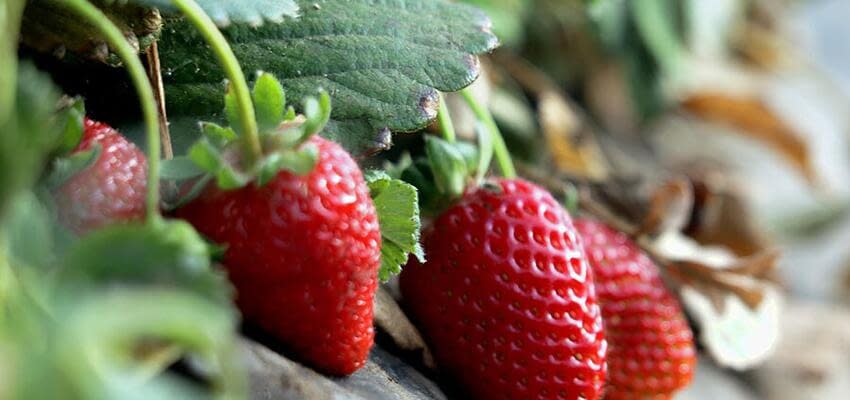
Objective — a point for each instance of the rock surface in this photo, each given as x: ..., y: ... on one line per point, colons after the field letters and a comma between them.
x: 812, y: 360
x: 385, y: 377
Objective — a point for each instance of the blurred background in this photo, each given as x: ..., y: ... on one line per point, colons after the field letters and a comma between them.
x: 747, y: 99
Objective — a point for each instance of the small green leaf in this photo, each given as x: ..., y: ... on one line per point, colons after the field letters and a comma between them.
x: 198, y: 186
x: 317, y: 113
x: 397, y: 204
x: 231, y: 110
x: 290, y: 114
x: 165, y: 255
x: 28, y: 228
x: 447, y: 165
x: 469, y: 153
x: 269, y: 101
x: 302, y: 161
x: 180, y: 168
x: 206, y: 156
x: 29, y: 133
x: 269, y: 167
x: 395, y: 169
x: 72, y: 133
x: 419, y: 174
x: 217, y: 134
x: 228, y: 178
x: 64, y: 168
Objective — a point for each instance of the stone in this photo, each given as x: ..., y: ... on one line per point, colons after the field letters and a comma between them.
x: 273, y: 376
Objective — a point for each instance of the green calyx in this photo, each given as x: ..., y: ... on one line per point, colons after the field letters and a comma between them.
x: 397, y: 205
x: 450, y: 166
x: 283, y: 136
x: 66, y: 164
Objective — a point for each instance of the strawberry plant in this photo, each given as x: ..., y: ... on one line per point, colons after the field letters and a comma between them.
x: 282, y: 198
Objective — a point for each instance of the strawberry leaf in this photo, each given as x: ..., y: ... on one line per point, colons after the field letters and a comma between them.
x: 382, y: 62
x: 223, y: 12
x: 209, y: 158
x: 397, y: 204
x: 29, y: 132
x: 72, y: 133
x: 317, y: 113
x: 64, y: 168
x: 269, y: 101
x: 299, y: 162
x: 231, y: 110
x: 180, y: 168
x: 217, y: 134
x: 448, y: 165
x: 169, y: 254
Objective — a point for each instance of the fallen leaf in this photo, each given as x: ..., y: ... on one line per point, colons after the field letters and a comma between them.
x: 722, y: 217
x: 391, y: 319
x: 754, y: 119
x: 669, y: 207
x: 739, y: 337
x: 571, y: 145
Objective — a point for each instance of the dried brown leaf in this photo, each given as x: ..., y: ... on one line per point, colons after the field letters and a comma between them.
x: 572, y: 147
x: 669, y: 207
x: 722, y: 217
x: 392, y: 320
x: 735, y: 335
x: 754, y: 119
x: 568, y: 133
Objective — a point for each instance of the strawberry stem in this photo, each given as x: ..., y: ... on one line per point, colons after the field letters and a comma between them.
x: 10, y: 20
x: 446, y: 126
x: 247, y: 117
x: 500, y: 150
x: 136, y: 70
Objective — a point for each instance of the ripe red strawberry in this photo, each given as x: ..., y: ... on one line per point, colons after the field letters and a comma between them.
x: 652, y: 350
x: 110, y: 190
x: 506, y: 298
x: 303, y: 253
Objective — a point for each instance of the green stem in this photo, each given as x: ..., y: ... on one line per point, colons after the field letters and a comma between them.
x: 119, y: 44
x: 10, y: 23
x: 445, y: 119
x: 500, y: 150
x: 248, y: 120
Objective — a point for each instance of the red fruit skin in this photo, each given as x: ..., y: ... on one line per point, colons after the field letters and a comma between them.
x: 109, y: 191
x: 506, y: 299
x: 303, y: 253
x: 652, y: 351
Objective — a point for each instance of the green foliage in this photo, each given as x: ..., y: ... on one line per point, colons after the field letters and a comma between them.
x: 508, y: 17
x: 168, y: 254
x: 284, y: 138
x: 382, y: 62
x: 106, y: 319
x: 64, y: 168
x: 223, y: 12
x: 270, y: 101
x: 29, y: 134
x: 647, y: 36
x: 397, y: 204
x: 10, y: 19
x: 449, y: 166
x: 116, y: 344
